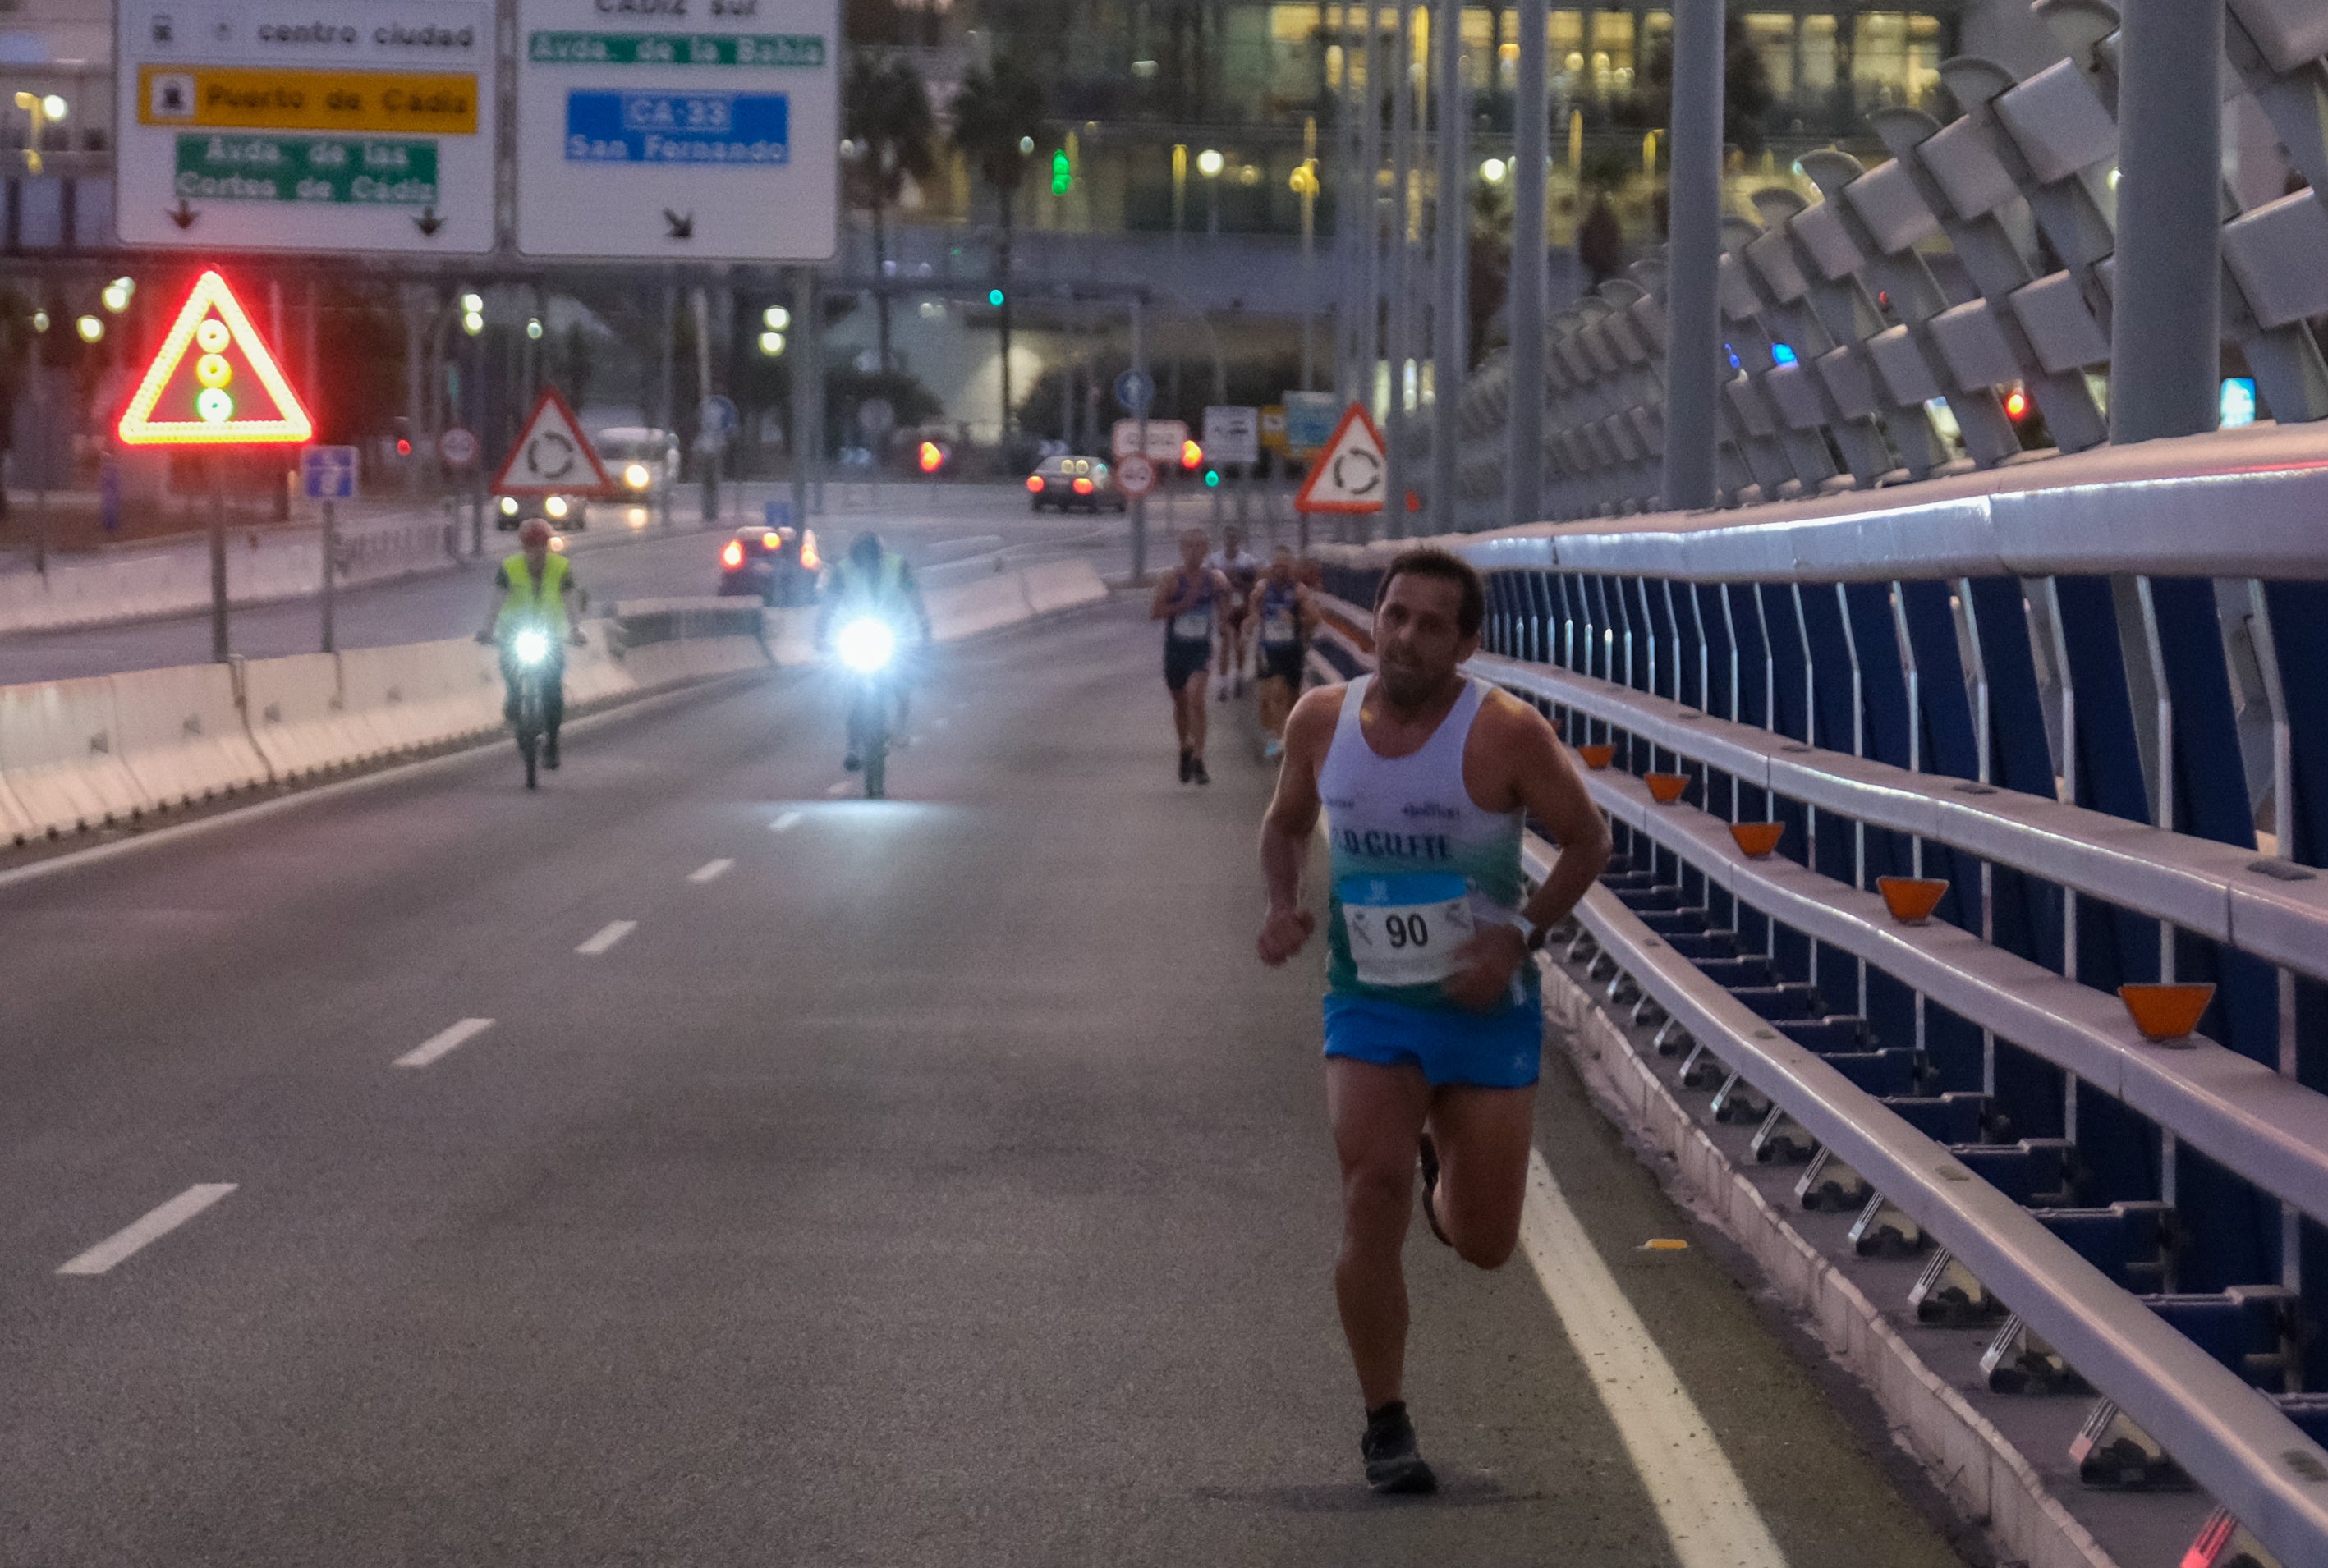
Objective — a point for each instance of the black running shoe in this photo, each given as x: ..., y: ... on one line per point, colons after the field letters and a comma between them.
x: 850, y: 763
x: 1393, y: 1465
x: 1430, y: 1152
x: 1188, y: 766
x: 1196, y: 770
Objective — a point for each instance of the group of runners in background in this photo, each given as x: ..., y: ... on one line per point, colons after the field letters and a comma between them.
x: 1226, y: 611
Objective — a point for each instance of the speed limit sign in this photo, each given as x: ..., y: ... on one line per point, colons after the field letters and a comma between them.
x: 1135, y: 475
x: 457, y: 447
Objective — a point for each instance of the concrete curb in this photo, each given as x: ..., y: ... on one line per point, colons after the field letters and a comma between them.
x: 1973, y: 1463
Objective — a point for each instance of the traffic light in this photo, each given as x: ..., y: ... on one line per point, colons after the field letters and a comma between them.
x: 2016, y: 405
x: 1063, y: 173
x: 1212, y: 479
x: 1192, y: 456
x: 994, y: 298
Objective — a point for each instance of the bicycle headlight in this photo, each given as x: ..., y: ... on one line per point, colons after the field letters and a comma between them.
x: 867, y: 644
x: 531, y: 647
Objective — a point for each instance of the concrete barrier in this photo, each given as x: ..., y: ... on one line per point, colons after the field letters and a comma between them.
x: 386, y: 692
x: 294, y: 711
x: 182, y: 737
x: 1056, y: 585
x: 970, y: 608
x: 60, y: 752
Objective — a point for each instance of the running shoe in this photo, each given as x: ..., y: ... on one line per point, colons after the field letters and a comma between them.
x: 1197, y: 768
x: 1430, y: 1153
x: 851, y: 763
x: 1272, y: 748
x: 1188, y: 766
x: 1392, y: 1464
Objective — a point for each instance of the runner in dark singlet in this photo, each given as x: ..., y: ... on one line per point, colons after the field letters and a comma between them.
x: 1283, y: 611
x: 1242, y: 568
x: 1188, y: 601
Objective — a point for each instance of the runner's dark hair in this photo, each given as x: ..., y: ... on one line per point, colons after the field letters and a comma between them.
x: 1447, y: 567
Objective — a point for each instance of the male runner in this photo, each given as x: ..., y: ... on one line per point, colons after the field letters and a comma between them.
x: 1287, y: 615
x: 1243, y: 570
x: 1188, y: 601
x: 1434, y: 1024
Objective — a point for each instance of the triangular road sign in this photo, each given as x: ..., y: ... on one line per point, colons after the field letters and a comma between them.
x: 552, y: 456
x: 213, y: 383
x: 1348, y: 473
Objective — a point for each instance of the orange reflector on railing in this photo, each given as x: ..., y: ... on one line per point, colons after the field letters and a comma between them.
x: 1758, y: 838
x: 2166, y: 1012
x: 1597, y: 757
x: 1912, y: 899
x: 1665, y: 788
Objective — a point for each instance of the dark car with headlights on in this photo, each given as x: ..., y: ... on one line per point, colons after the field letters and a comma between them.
x: 1073, y: 483
x: 775, y: 565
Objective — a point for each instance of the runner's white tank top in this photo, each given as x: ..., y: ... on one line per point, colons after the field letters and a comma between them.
x: 1417, y: 865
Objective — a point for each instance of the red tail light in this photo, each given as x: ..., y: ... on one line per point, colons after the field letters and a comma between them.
x: 1035, y: 484
x: 733, y: 556
x: 933, y: 457
x: 1083, y: 487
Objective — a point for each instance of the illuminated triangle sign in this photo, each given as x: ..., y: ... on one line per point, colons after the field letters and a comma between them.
x: 214, y: 383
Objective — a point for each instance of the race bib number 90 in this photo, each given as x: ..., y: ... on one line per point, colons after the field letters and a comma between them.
x: 1193, y: 626
x: 1405, y: 930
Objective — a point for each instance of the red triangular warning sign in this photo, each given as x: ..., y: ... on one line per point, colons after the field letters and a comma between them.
x: 552, y: 456
x: 213, y: 383
x: 1348, y: 473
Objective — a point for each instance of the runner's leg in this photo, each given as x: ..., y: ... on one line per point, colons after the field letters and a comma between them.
x: 1483, y: 1136
x: 1378, y: 1114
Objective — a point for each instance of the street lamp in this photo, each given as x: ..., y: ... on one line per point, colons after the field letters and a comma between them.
x: 1208, y: 164
x: 772, y: 343
x: 533, y: 328
x: 776, y: 319
x: 90, y: 327
x: 1492, y: 171
x: 45, y: 110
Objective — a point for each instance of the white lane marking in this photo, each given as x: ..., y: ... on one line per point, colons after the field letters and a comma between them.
x: 613, y: 932
x: 842, y: 787
x: 787, y: 822
x: 1701, y: 1502
x: 445, y: 1043
x: 97, y: 1259
x: 711, y: 870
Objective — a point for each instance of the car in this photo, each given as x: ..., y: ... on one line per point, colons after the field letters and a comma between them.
x: 642, y: 463
x: 1070, y: 482
x: 567, y: 514
x: 775, y: 565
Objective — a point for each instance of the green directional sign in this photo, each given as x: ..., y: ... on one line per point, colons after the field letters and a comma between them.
x: 802, y: 50
x: 364, y: 170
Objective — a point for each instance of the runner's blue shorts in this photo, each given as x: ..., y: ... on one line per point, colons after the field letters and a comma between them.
x: 1496, y: 1050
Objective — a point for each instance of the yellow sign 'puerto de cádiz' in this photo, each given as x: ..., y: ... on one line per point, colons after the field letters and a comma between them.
x: 203, y: 97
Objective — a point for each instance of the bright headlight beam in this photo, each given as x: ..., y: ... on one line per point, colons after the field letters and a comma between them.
x: 531, y: 647
x: 867, y: 644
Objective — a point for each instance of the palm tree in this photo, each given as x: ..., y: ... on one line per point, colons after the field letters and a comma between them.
x: 998, y: 125
x: 886, y: 120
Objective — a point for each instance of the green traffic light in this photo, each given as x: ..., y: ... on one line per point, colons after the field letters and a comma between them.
x: 1212, y: 479
x: 994, y: 297
x: 1063, y: 173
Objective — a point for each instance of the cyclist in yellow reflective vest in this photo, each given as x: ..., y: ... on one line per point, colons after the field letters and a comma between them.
x: 874, y: 580
x: 533, y: 589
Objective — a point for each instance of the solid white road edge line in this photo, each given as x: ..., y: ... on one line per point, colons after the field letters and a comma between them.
x: 151, y: 1228
x: 611, y: 933
x: 1700, y: 1501
x: 711, y: 870
x: 445, y: 1043
x: 787, y: 822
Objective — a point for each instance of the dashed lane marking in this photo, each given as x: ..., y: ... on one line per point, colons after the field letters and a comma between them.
x: 611, y: 933
x: 787, y: 822
x: 1699, y: 1498
x: 711, y: 870
x: 151, y: 1228
x: 445, y: 1043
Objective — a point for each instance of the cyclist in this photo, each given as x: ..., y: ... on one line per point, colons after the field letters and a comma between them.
x: 873, y: 580
x: 532, y: 590
x: 1188, y: 601
x: 1234, y: 562
x: 1287, y: 615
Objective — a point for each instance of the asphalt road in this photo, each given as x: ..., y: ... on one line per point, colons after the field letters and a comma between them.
x: 941, y: 528
x: 930, y: 1181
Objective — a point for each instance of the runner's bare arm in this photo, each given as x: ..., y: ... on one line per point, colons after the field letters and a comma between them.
x: 1169, y: 600
x: 1292, y: 817
x: 1531, y: 772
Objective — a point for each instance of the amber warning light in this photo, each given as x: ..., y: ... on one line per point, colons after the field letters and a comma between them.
x: 214, y: 383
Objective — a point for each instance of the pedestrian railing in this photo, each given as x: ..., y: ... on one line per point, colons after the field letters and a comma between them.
x: 2056, y: 702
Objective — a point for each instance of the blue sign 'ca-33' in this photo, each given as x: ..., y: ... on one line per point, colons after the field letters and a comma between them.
x: 678, y: 127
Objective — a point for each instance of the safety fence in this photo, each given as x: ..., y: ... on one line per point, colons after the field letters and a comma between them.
x: 78, y: 755
x: 1945, y: 311
x: 1904, y: 795
x: 176, y: 580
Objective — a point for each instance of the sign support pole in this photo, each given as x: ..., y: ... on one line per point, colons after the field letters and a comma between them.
x: 1140, y: 503
x: 331, y: 560
x: 216, y: 465
x: 803, y: 308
